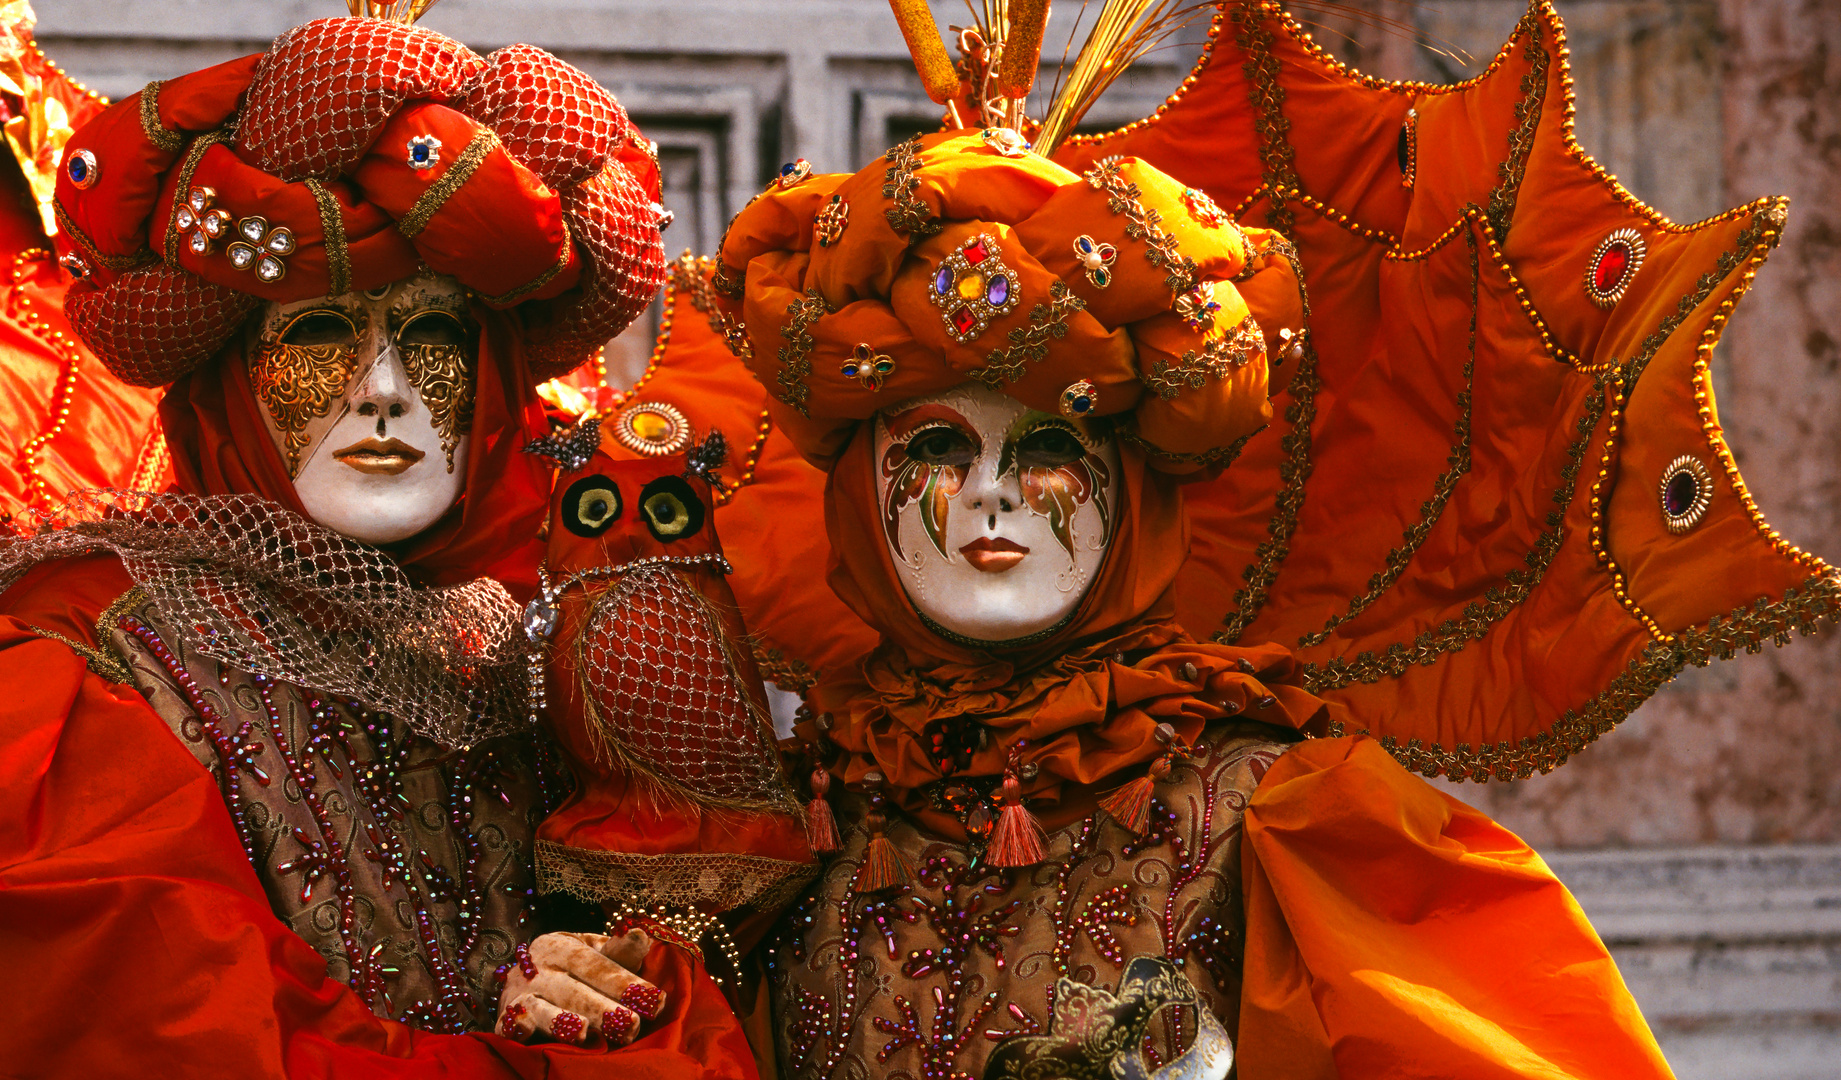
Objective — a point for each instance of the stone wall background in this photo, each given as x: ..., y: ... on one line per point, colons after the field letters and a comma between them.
x: 1704, y: 836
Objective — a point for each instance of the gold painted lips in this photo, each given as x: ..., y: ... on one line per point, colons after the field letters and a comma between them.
x: 386, y: 457
x: 993, y: 555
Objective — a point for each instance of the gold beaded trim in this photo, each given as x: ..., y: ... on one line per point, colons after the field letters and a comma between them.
x: 1046, y: 322
x: 909, y: 215
x: 1144, y: 225
x: 796, y: 355
x: 107, y: 262
x: 1479, y: 616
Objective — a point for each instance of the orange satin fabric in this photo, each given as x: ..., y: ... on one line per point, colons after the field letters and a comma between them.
x: 1393, y: 931
x: 220, y: 446
x: 126, y: 894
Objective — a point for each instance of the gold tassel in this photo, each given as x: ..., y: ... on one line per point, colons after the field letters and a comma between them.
x: 1016, y: 72
x: 929, y: 51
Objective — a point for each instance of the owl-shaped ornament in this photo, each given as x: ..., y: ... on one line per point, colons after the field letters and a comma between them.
x: 681, y: 810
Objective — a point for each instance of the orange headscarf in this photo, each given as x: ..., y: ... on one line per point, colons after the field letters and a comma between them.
x: 1083, y: 705
x: 220, y: 446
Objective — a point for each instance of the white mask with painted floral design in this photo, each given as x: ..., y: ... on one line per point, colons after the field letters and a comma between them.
x: 997, y: 516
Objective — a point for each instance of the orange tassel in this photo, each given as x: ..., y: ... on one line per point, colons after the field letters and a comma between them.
x: 883, y: 867
x: 820, y: 823
x: 1017, y: 839
x: 1130, y: 806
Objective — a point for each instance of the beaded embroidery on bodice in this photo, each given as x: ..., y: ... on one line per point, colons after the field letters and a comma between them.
x: 925, y: 980
x: 407, y: 866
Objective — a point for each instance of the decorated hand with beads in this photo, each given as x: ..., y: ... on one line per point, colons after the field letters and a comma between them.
x: 571, y: 987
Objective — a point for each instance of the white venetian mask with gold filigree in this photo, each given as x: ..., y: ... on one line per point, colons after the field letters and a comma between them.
x: 368, y: 397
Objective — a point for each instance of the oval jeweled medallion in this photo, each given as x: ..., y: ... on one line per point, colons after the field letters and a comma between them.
x: 1686, y: 491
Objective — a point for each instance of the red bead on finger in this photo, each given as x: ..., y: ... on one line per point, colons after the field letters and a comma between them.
x: 619, y: 1024
x: 647, y: 1001
x: 525, y: 963
x: 508, y: 1022
x: 567, y: 1027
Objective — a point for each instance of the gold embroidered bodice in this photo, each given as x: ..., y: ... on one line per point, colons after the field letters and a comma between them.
x: 407, y: 866
x: 925, y: 980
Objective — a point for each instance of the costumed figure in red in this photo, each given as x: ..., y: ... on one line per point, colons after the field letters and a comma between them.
x: 1186, y: 489
x: 266, y: 746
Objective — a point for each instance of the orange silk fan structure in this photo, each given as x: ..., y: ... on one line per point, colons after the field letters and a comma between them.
x: 1494, y: 509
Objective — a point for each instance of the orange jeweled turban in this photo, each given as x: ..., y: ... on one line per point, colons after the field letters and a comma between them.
x: 352, y: 153
x: 959, y: 256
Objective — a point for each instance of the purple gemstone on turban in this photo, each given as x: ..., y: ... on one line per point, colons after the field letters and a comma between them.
x: 998, y: 290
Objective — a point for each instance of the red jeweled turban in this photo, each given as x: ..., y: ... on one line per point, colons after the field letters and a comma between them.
x: 353, y: 152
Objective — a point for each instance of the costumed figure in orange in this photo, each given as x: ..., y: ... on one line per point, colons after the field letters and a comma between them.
x: 266, y: 743
x: 1186, y: 489
x: 65, y: 421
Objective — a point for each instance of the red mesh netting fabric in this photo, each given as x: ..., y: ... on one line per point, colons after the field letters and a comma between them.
x: 154, y: 325
x: 318, y: 100
x: 325, y: 88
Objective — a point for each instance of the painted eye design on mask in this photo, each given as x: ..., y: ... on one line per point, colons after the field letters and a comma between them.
x: 1050, y: 446
x: 591, y: 506
x: 942, y: 445
x: 671, y: 509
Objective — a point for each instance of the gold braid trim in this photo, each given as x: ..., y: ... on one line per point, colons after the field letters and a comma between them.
x: 1269, y: 121
x: 105, y: 662
x: 730, y: 283
x: 1046, y: 322
x: 1216, y: 359
x: 1798, y: 612
x: 796, y: 355
x: 691, y: 880
x: 1293, y: 470
x: 1521, y: 139
x: 332, y: 226
x: 441, y: 190
x: 107, y: 262
x: 909, y: 215
x: 1478, y: 617
x: 1219, y: 456
x: 783, y: 671
x: 1433, y: 508
x: 170, y: 141
x: 182, y: 191
x: 1145, y: 225
x: 538, y: 282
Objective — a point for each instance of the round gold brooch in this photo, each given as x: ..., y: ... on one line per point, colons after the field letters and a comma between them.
x: 652, y: 428
x: 1686, y: 491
